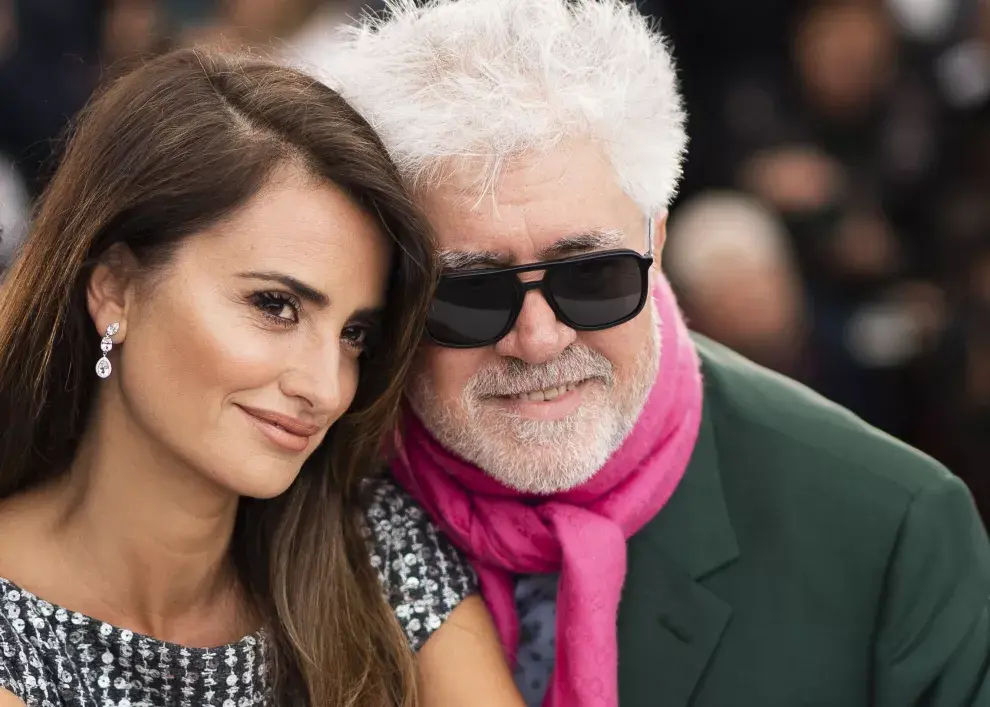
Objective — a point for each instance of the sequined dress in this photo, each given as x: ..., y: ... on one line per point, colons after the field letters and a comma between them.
x: 53, y: 657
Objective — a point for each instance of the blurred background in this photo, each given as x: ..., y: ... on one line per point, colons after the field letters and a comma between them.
x: 834, y: 221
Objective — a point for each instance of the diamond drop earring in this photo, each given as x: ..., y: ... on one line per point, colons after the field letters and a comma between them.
x: 103, y: 366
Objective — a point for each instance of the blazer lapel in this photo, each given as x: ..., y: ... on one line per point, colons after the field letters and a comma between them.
x: 669, y: 624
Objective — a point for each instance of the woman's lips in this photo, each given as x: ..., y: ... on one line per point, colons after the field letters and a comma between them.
x: 283, y: 431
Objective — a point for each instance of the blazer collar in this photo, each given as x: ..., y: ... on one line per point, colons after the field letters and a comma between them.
x: 670, y: 624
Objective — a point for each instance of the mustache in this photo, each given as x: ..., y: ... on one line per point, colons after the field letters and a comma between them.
x: 512, y: 376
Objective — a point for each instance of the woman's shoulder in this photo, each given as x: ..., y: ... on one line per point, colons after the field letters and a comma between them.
x: 424, y: 576
x: 22, y: 641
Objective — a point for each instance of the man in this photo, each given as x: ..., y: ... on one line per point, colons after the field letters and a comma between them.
x: 654, y: 520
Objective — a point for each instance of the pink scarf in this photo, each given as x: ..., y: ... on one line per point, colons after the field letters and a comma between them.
x: 580, y: 533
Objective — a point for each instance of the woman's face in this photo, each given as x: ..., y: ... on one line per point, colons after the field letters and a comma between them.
x: 239, y: 356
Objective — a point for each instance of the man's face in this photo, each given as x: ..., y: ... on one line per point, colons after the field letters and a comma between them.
x: 583, y: 391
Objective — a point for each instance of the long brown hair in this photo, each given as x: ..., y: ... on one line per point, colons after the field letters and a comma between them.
x: 162, y: 153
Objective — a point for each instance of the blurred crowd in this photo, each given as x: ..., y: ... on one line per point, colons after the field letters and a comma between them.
x: 834, y: 220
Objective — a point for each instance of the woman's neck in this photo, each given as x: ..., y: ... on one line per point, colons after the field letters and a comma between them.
x: 146, y: 537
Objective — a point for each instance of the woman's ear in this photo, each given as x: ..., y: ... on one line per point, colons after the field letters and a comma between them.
x: 110, y: 290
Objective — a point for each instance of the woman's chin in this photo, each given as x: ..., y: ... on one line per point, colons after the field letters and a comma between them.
x: 264, y: 483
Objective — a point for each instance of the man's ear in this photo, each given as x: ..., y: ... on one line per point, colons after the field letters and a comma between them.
x: 110, y: 290
x: 659, y: 237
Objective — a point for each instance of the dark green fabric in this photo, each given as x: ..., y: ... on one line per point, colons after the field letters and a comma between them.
x: 806, y: 559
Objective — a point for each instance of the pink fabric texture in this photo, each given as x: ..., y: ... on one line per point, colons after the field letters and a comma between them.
x: 580, y: 533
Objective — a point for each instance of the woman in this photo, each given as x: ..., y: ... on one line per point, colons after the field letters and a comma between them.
x: 203, y: 344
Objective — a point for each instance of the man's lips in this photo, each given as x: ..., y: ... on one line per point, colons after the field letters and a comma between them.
x: 554, y: 403
x: 543, y: 394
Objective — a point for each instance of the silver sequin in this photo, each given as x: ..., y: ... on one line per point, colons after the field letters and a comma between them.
x: 53, y: 657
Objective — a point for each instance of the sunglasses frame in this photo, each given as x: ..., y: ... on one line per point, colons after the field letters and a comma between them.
x: 521, y: 289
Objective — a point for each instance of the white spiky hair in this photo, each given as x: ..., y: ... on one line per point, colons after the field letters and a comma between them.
x: 489, y: 80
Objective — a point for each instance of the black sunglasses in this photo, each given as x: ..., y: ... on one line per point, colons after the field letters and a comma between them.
x: 590, y: 292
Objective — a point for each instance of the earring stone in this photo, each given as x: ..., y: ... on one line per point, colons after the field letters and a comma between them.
x: 103, y: 367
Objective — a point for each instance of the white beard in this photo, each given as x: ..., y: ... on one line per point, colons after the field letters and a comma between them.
x: 542, y: 456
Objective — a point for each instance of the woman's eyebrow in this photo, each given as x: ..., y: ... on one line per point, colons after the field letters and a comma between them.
x: 299, y: 288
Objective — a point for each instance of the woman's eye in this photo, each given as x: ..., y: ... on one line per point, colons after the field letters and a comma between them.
x: 356, y: 336
x: 277, y: 306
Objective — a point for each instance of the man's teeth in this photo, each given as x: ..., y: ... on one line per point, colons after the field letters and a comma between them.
x: 545, y: 394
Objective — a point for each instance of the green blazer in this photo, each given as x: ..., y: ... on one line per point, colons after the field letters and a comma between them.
x: 806, y: 560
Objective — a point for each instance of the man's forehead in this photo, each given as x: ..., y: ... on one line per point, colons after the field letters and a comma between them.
x: 524, y: 220
x: 499, y: 252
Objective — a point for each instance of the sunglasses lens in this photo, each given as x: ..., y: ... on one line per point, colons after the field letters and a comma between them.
x: 471, y: 311
x: 601, y: 292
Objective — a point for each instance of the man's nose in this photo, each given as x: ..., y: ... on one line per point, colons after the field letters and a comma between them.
x: 538, y: 336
